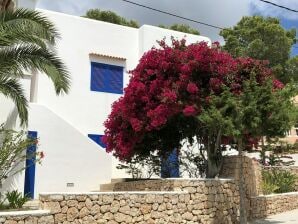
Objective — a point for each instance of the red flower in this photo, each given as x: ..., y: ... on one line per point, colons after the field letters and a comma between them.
x: 41, y: 154
x: 189, y: 111
x: 192, y: 88
x: 278, y: 84
x: 136, y: 124
x: 169, y: 95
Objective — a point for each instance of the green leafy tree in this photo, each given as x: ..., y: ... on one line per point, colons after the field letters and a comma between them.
x: 27, y: 39
x: 111, y: 17
x: 181, y: 28
x: 261, y: 109
x: 13, y: 152
x: 264, y: 39
x: 291, y: 69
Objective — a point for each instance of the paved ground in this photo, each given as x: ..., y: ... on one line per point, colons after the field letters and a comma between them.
x: 290, y: 217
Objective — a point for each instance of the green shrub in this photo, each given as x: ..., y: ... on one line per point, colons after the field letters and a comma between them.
x: 268, y: 188
x: 110, y: 17
x: 3, y: 206
x: 278, y: 181
x: 15, y: 199
x: 13, y: 147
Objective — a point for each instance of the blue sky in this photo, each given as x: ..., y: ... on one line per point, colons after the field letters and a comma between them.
x: 223, y: 13
x: 288, y: 24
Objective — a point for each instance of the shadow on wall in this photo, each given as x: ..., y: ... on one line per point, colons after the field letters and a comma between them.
x: 11, y: 121
x: 14, y: 182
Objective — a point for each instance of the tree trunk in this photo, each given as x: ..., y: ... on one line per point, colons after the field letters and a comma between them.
x: 6, y: 5
x: 243, y: 217
x: 212, y: 167
x: 214, y: 156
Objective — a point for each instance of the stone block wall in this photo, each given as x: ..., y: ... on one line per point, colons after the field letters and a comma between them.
x: 252, y: 172
x: 263, y: 206
x: 26, y: 217
x: 197, y: 201
x: 252, y: 175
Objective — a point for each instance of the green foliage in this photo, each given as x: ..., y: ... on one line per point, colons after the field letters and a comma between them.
x: 264, y: 39
x: 142, y: 167
x: 291, y: 69
x: 13, y: 152
x: 27, y: 39
x: 15, y: 199
x: 3, y: 206
x: 278, y: 181
x: 268, y: 187
x: 237, y: 115
x: 192, y: 161
x: 110, y: 17
x: 181, y: 28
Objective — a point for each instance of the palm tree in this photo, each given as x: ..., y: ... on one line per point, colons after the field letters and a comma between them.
x: 27, y: 41
x: 6, y: 4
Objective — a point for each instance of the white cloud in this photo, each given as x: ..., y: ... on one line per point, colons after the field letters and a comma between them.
x: 271, y: 10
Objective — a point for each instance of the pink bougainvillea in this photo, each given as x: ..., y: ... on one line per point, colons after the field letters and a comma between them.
x: 166, y: 92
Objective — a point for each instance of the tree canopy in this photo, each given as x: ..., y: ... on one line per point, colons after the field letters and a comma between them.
x: 181, y: 28
x: 264, y: 39
x: 173, y: 89
x: 111, y: 17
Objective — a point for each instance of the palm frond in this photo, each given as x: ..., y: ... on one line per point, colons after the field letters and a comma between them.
x: 12, y: 89
x: 31, y: 21
x: 15, y: 60
x: 20, y: 35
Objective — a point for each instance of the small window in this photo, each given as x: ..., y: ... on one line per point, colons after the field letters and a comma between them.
x: 106, y: 78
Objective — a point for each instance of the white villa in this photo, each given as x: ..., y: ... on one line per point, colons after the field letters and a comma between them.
x: 98, y: 56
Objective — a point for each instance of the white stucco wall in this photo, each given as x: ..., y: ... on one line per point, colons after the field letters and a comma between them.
x: 63, y: 122
x: 70, y: 157
x: 83, y: 108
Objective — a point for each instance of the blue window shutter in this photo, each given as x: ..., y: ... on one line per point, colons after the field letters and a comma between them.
x: 106, y: 78
x: 97, y: 139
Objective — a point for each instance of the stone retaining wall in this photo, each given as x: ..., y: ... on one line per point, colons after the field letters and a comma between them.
x: 263, y: 206
x: 252, y: 173
x: 197, y: 201
x: 26, y: 217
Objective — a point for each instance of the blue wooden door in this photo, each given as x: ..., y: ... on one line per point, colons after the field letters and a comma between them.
x: 170, y: 165
x: 30, y: 168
